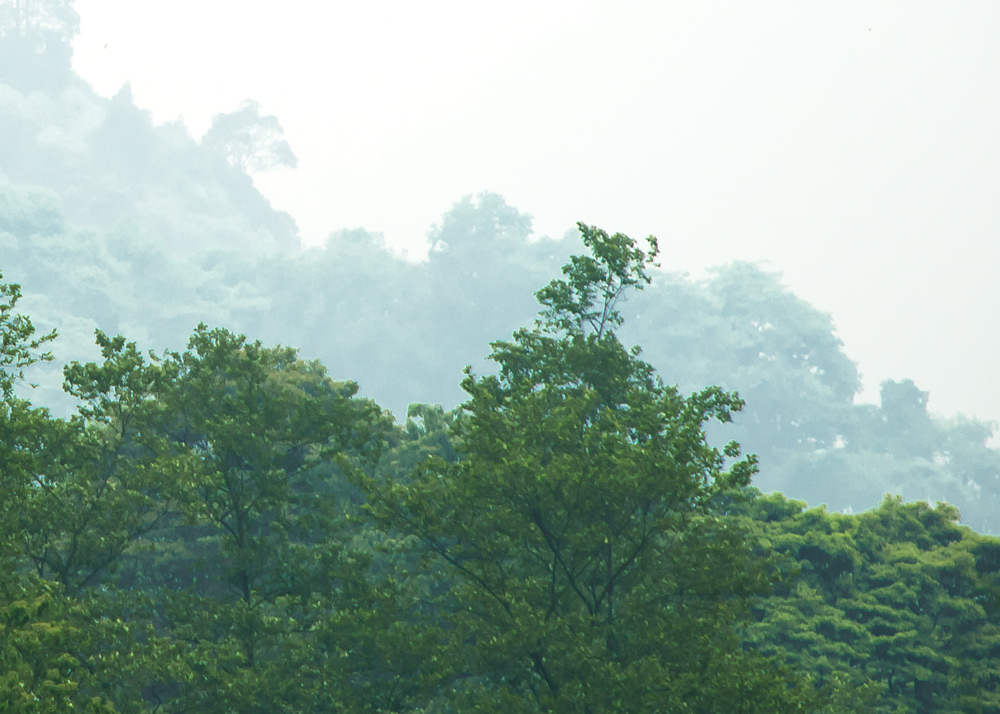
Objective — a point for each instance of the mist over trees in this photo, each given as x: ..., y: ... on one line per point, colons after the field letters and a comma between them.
x: 249, y: 141
x: 254, y: 490
x: 110, y: 166
x: 229, y: 528
x: 405, y: 330
x: 112, y: 223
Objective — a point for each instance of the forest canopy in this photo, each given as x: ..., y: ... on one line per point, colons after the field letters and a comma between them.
x: 404, y: 331
x: 254, y: 476
x: 228, y: 528
x: 112, y: 222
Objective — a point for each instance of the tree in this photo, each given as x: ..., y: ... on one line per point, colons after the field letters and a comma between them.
x: 104, y: 479
x: 36, y: 39
x: 23, y: 428
x: 40, y: 18
x: 259, y: 584
x: 19, y: 347
x: 44, y: 636
x: 743, y: 329
x: 893, y: 609
x: 249, y: 141
x: 587, y: 571
x: 259, y: 419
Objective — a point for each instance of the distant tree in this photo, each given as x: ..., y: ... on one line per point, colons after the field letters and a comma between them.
x: 29, y: 212
x: 907, y: 425
x: 36, y: 42
x: 42, y: 20
x: 249, y: 141
x: 743, y: 329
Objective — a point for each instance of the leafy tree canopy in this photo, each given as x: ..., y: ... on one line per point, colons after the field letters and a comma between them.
x: 576, y: 523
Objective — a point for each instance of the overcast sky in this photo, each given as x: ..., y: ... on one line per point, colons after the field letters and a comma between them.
x: 853, y: 146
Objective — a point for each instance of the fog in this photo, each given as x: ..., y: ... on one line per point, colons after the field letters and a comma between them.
x: 852, y: 147
x: 386, y: 190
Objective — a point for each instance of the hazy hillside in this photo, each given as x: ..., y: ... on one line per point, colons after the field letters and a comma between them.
x: 110, y: 222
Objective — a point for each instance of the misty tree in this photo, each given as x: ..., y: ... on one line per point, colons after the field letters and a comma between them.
x: 54, y: 19
x: 36, y: 42
x: 249, y: 141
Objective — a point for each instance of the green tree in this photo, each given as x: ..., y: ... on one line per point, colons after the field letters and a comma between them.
x: 23, y: 428
x: 588, y: 572
x: 104, y: 479
x: 42, y: 637
x: 892, y: 610
x: 19, y: 347
x: 260, y: 419
x: 45, y: 637
x: 265, y: 582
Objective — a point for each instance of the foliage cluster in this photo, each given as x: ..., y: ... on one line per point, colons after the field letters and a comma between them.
x: 379, y: 319
x: 893, y: 610
x: 227, y: 528
x: 179, y: 234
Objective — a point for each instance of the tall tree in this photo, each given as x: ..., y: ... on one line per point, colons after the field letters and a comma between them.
x: 587, y: 570
x: 19, y: 347
x: 23, y: 428
x: 105, y: 478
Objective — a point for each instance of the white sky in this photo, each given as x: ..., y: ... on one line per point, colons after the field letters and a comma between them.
x: 855, y: 146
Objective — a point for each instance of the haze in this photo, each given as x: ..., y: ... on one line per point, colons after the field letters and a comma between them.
x: 316, y: 396
x: 852, y: 147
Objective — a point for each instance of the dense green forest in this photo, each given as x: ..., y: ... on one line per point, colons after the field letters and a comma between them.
x: 227, y: 528
x: 328, y: 514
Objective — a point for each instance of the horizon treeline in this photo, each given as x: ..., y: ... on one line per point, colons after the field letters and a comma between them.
x: 404, y: 331
x: 227, y: 528
x: 111, y: 222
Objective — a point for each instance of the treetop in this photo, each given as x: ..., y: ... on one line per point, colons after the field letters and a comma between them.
x: 588, y: 295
